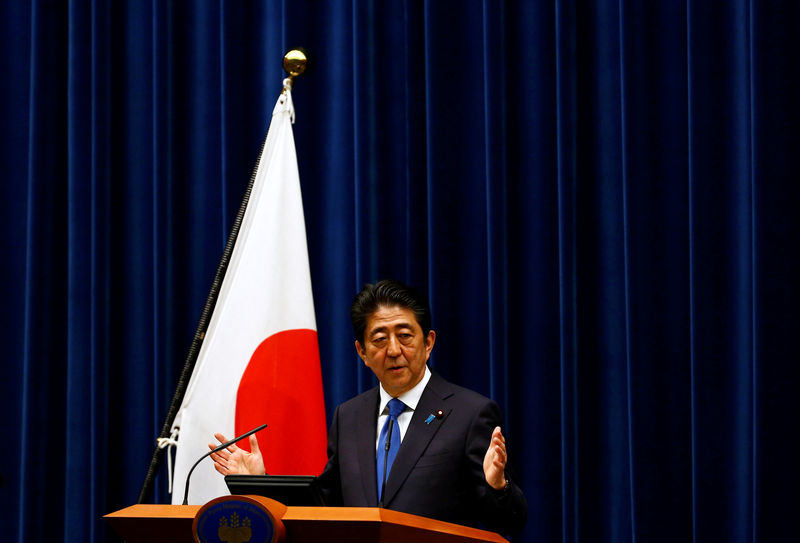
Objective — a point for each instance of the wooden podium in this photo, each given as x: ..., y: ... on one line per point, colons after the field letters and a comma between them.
x: 156, y: 523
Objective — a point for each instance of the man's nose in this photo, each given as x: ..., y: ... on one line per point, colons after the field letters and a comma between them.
x: 394, y: 347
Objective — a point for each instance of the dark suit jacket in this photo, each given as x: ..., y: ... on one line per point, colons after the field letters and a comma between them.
x: 438, y: 471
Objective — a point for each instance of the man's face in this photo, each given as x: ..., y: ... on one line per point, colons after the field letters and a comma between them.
x: 395, y: 348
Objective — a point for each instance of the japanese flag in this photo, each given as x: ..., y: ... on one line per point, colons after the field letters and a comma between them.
x: 259, y: 361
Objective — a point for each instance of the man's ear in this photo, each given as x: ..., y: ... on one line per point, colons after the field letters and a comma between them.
x: 430, y: 339
x: 361, y: 352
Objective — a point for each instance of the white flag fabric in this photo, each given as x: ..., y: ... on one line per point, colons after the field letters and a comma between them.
x: 259, y: 361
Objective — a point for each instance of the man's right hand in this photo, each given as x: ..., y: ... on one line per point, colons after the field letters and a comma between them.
x: 236, y: 461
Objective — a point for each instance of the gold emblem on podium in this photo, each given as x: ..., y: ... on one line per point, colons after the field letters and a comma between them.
x: 233, y: 530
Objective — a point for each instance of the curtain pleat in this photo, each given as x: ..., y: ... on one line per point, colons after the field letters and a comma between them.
x: 567, y: 350
x: 596, y: 197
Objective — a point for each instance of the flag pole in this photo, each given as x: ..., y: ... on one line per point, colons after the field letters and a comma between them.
x: 294, y: 62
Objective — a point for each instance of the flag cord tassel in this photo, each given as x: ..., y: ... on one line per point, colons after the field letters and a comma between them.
x: 171, y: 442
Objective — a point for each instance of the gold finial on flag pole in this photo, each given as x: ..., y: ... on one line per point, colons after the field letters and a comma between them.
x: 295, y: 62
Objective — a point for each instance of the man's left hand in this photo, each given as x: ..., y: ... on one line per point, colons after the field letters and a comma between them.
x: 494, y: 463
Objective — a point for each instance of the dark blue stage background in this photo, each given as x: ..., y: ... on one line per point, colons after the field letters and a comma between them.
x: 596, y: 195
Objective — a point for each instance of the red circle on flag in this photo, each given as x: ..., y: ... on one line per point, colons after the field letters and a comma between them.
x: 282, y: 386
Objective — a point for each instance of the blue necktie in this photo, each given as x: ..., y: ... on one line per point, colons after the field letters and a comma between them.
x: 384, y: 458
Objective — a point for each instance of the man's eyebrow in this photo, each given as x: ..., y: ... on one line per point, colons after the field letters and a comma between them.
x: 379, y: 329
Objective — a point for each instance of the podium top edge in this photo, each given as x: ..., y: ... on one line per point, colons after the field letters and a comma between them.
x: 152, y: 510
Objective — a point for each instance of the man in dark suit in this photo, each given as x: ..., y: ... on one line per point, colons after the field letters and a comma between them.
x: 448, y: 461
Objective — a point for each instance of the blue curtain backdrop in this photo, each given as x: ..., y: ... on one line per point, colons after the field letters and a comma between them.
x: 596, y: 195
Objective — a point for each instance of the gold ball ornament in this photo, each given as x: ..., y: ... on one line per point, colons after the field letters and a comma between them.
x: 295, y: 62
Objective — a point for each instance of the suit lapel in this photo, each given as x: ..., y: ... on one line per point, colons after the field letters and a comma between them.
x: 367, y: 417
x: 418, y: 435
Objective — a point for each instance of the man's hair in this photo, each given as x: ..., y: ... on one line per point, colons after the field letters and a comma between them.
x: 388, y: 293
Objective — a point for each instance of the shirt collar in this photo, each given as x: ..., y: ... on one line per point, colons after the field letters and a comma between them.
x: 410, y: 398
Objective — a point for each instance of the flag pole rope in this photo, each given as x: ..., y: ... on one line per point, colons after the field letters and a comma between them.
x: 197, y: 340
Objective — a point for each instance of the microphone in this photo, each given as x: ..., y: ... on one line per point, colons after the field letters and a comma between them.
x: 212, y: 451
x: 386, y: 459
